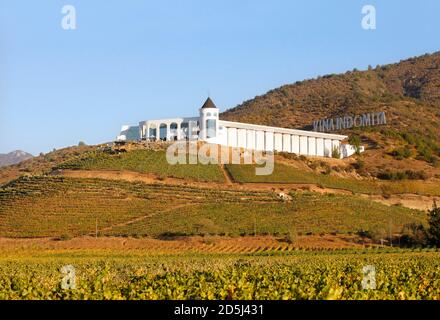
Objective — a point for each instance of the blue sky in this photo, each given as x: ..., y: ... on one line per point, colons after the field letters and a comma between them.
x: 134, y: 60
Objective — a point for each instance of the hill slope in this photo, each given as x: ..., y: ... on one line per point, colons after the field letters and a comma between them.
x: 408, y: 91
x: 14, y: 157
x: 415, y: 80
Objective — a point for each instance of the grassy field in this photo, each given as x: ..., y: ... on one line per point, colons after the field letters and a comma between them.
x: 145, y: 161
x: 401, y: 274
x: 286, y: 174
x: 56, y: 206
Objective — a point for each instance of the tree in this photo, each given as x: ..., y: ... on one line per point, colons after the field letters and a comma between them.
x: 434, y: 225
x: 81, y: 144
x: 355, y: 141
x: 291, y: 235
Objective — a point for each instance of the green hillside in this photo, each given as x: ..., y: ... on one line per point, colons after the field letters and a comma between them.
x: 144, y: 161
x: 408, y: 91
x: 56, y: 207
x: 288, y: 174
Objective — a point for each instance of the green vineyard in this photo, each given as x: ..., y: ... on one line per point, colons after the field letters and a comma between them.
x: 287, y: 174
x: 299, y: 275
x: 56, y: 206
x: 145, y: 161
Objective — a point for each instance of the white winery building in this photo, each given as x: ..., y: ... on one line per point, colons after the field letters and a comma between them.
x: 209, y: 128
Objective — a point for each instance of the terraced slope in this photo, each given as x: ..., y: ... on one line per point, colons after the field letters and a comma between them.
x: 56, y: 206
x: 144, y: 161
x: 308, y: 213
x: 287, y: 174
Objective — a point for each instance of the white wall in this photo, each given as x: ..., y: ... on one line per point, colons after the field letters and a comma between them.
x: 260, y: 140
x: 312, y: 146
x: 303, y: 145
x: 295, y: 144
x: 287, y: 143
x: 232, y: 137
x: 241, y: 138
x: 250, y: 139
x: 269, y: 141
x: 278, y: 142
x: 320, y: 147
x: 327, y: 147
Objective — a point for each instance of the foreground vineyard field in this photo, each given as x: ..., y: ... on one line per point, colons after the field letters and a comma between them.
x: 400, y: 274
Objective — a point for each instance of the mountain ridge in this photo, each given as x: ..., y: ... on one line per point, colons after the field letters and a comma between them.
x: 14, y: 157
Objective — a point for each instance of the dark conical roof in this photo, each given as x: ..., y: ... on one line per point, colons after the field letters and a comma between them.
x: 208, y: 104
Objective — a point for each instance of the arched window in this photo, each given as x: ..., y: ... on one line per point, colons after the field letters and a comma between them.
x: 210, y: 128
x: 208, y: 114
x: 163, y: 132
x: 184, y: 126
x: 152, y: 135
x: 173, y: 131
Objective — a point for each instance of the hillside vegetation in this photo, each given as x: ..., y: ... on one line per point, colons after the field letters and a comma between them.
x: 56, y: 207
x: 288, y: 174
x: 144, y: 161
x: 298, y: 275
x: 408, y: 91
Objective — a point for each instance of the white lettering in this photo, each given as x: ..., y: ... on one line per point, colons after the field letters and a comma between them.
x: 69, y: 20
x: 369, y: 20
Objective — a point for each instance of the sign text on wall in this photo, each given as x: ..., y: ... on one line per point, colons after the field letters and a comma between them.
x: 347, y: 122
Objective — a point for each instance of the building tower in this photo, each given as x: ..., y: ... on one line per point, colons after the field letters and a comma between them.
x: 209, y: 115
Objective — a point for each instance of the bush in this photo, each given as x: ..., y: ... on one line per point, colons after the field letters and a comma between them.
x: 413, y: 235
x: 313, y: 165
x: 355, y: 141
x: 402, y: 175
x: 336, y: 153
x: 327, y: 170
x: 416, y: 175
x: 359, y: 164
x: 288, y: 155
x: 434, y: 225
x: 81, y: 144
x: 65, y: 237
x: 402, y: 153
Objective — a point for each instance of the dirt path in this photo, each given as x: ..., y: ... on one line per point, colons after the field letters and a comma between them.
x: 227, y: 175
x: 412, y: 201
